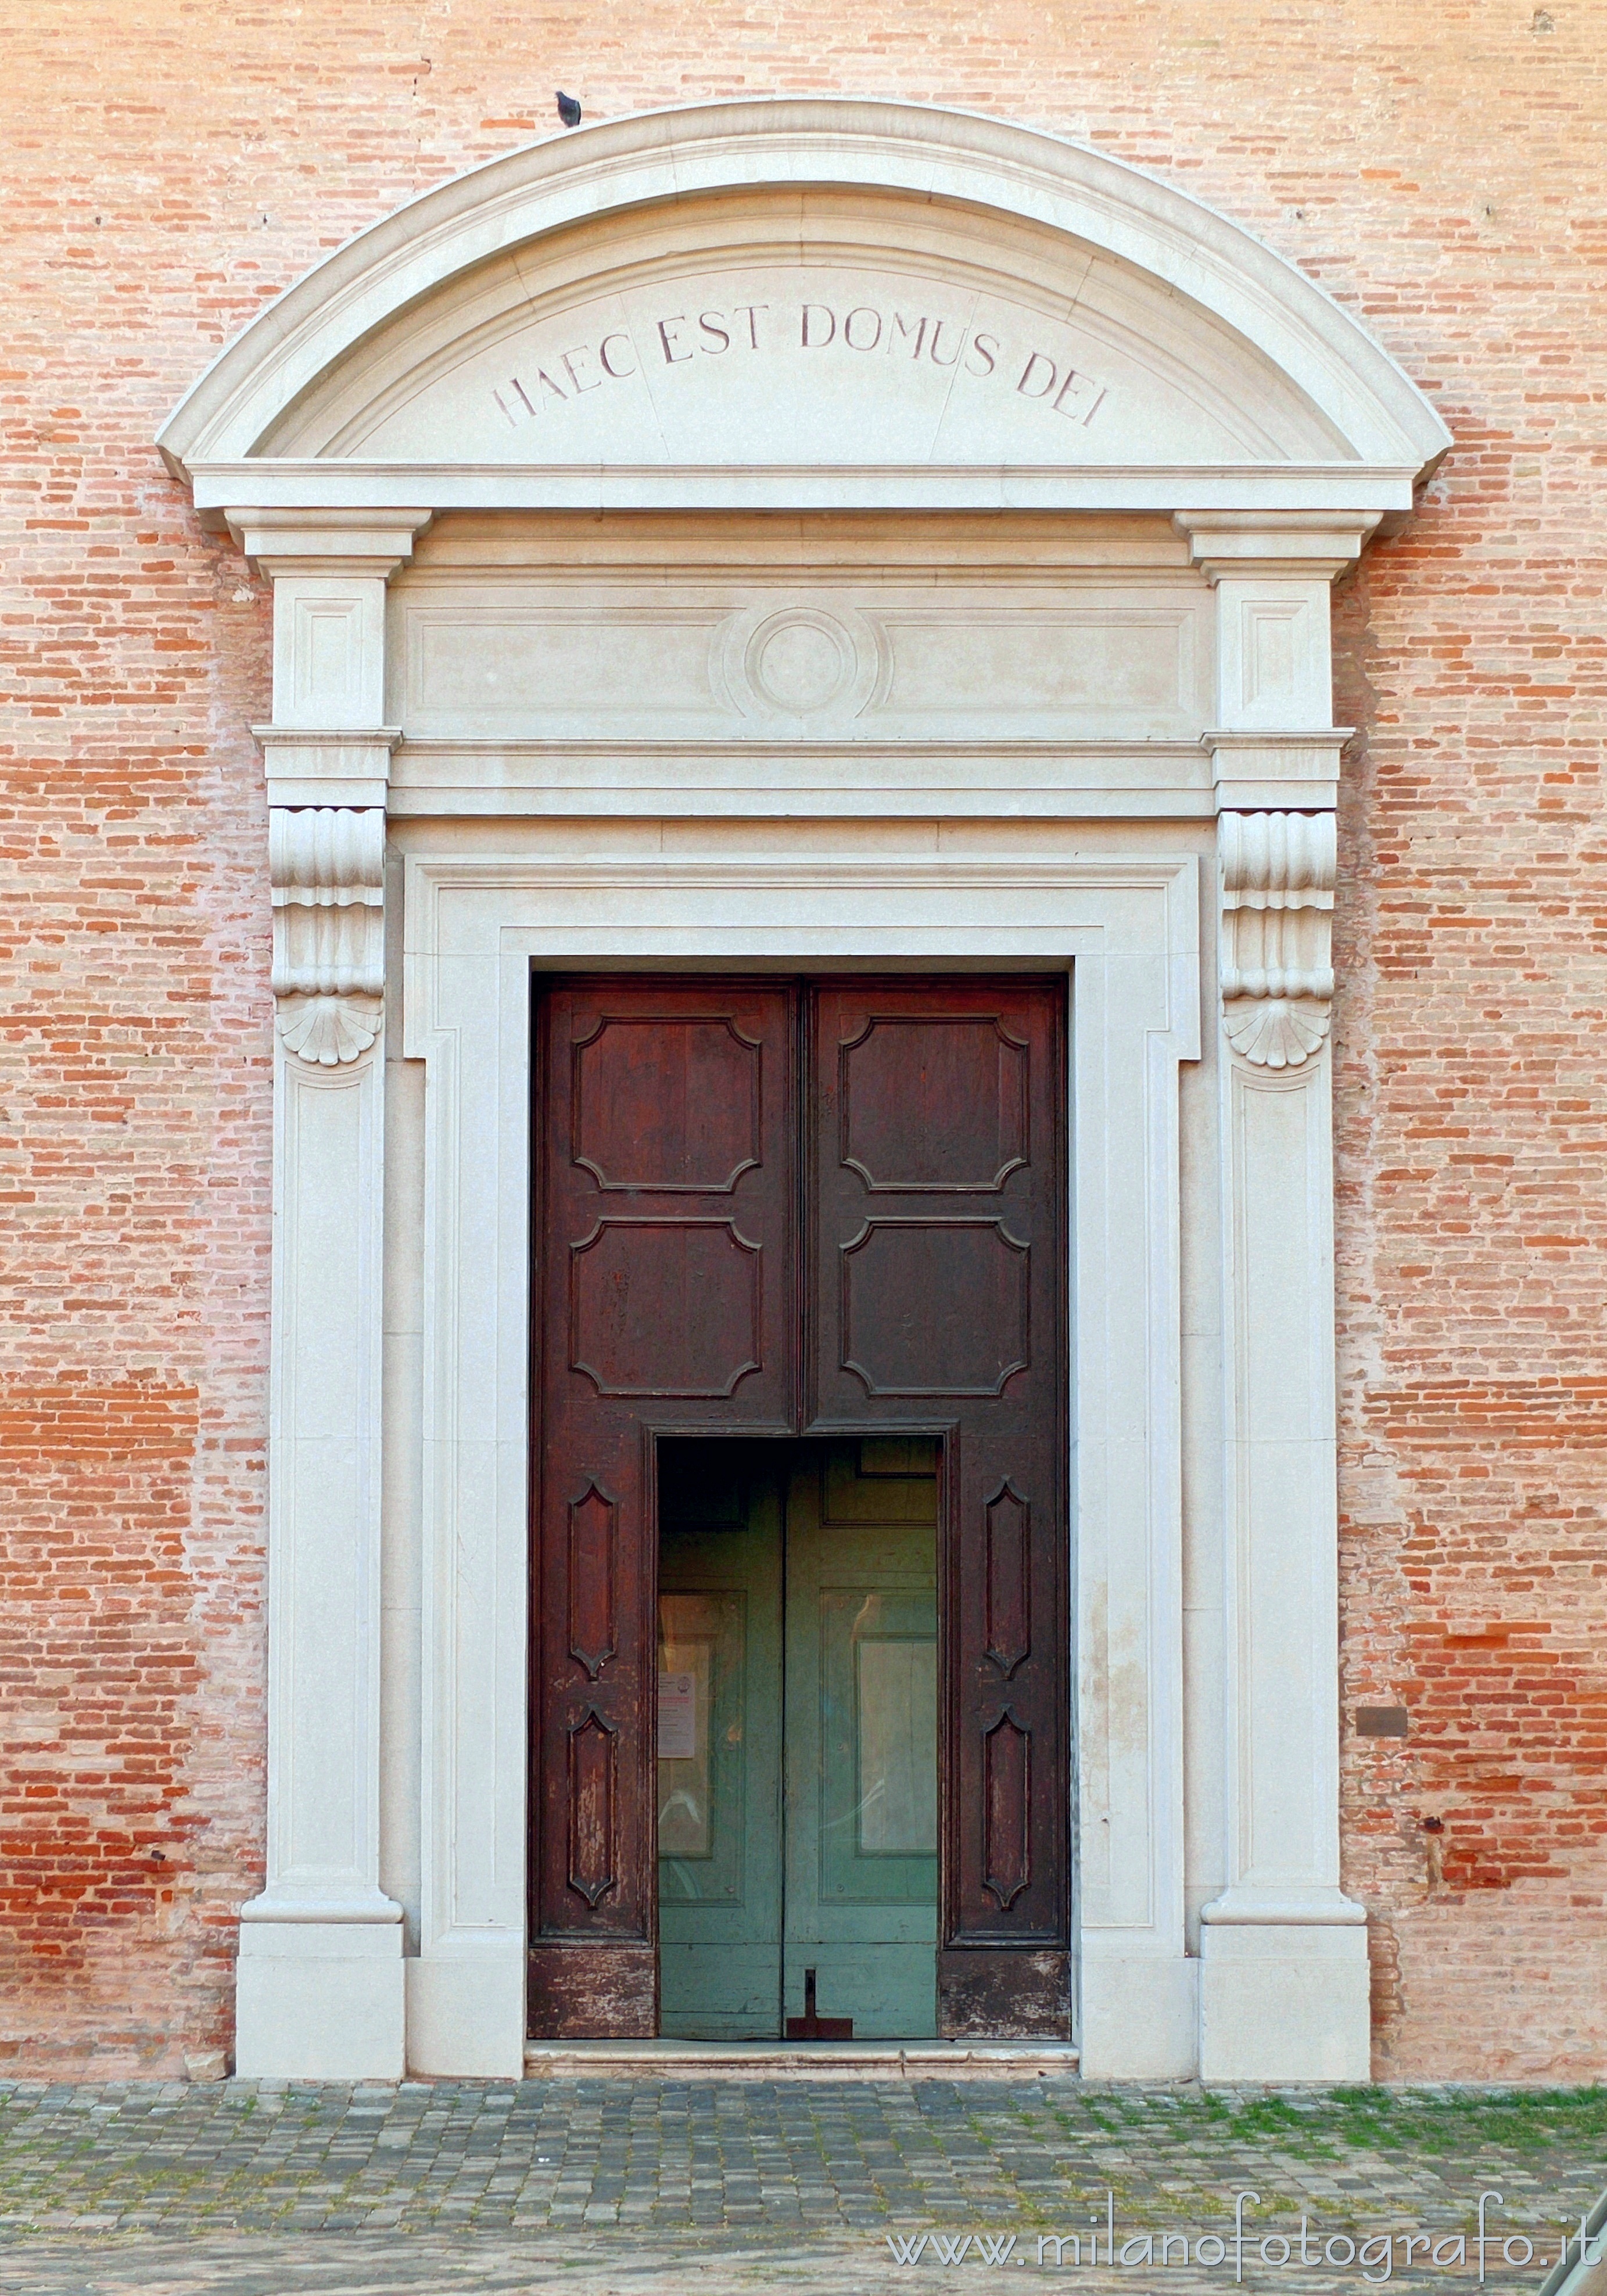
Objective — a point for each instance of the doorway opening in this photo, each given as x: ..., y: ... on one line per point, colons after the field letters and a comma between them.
x: 798, y: 1766
x: 817, y: 1226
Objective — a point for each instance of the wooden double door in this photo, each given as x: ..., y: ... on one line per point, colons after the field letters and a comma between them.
x: 775, y: 1210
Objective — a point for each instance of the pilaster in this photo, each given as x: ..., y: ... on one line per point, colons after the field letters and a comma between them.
x: 1283, y: 1954
x: 1273, y: 743
x: 1283, y: 1980
x: 320, y: 1985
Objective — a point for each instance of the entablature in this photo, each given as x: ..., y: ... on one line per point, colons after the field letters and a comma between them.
x: 1021, y: 665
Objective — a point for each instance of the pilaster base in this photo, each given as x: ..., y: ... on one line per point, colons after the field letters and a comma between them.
x: 466, y: 2019
x: 1139, y: 2017
x: 320, y: 2001
x: 1283, y: 2001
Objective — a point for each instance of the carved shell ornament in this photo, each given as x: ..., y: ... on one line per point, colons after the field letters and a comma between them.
x: 1278, y: 873
x: 329, y: 1030
x: 1276, y: 1032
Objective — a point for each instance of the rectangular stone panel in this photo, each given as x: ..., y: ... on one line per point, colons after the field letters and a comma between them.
x: 803, y: 660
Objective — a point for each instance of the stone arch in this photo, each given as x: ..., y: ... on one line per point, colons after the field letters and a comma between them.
x: 1191, y: 344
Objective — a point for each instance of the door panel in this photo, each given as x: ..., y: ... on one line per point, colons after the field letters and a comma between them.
x: 719, y: 1767
x: 862, y: 1745
x: 663, y: 1294
x: 937, y: 1295
x: 935, y: 1307
x: 963, y: 1129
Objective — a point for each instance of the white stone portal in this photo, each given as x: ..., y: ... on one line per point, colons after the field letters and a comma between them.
x: 786, y: 535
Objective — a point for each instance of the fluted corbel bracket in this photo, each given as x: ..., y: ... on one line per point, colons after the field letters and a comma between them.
x: 327, y: 864
x: 1277, y: 933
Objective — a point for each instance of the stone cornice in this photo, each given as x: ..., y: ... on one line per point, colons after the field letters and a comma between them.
x: 317, y: 538
x: 1275, y: 543
x: 346, y: 766
x: 311, y: 491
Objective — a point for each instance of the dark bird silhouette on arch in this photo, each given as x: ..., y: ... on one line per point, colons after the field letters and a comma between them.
x: 568, y: 109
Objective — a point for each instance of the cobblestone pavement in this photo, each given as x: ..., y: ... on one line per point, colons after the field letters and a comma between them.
x: 616, y: 2187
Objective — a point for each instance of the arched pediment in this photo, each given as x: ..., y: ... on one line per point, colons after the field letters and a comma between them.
x: 787, y: 288
x: 784, y: 325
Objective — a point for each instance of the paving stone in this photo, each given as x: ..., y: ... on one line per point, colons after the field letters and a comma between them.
x: 597, y: 2187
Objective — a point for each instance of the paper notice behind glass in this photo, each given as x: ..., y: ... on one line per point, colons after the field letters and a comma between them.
x: 678, y: 1717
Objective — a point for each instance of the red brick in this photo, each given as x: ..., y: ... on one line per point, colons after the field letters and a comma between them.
x: 169, y: 169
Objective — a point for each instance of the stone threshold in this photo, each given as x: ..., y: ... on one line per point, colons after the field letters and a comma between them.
x: 802, y: 2059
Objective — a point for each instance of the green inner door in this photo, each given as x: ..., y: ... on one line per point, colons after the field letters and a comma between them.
x: 798, y: 1738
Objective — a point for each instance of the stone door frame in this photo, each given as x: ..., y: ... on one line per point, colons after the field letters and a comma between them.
x: 403, y: 948
x: 1127, y: 929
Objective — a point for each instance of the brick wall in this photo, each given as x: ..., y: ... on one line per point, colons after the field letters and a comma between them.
x: 173, y: 166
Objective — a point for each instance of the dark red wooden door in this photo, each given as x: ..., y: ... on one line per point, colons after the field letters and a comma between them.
x: 666, y: 1167
x: 764, y: 1209
x: 936, y: 1298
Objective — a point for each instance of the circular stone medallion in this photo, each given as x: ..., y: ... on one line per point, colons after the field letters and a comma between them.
x: 800, y: 661
x: 800, y: 665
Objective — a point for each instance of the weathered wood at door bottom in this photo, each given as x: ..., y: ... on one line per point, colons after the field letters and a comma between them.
x: 606, y: 1992
x: 593, y: 1990
x: 994, y: 1993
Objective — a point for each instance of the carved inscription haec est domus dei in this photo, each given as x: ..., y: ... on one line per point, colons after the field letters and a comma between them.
x: 549, y: 377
